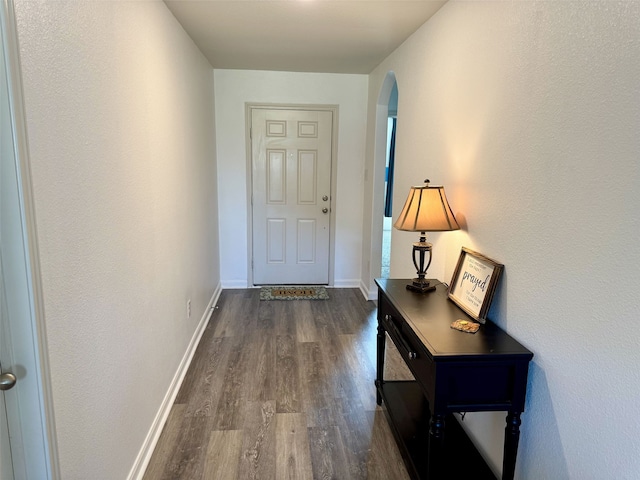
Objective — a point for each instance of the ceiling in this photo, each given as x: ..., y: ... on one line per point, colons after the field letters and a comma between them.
x: 331, y: 36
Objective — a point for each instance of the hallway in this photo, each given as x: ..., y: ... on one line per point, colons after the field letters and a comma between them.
x: 282, y: 389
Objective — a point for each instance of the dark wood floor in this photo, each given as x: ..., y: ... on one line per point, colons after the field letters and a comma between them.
x: 282, y: 390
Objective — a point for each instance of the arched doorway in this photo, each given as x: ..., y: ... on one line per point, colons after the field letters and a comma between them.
x: 379, y: 179
x: 392, y: 123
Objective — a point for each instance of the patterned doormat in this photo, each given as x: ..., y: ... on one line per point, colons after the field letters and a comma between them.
x: 304, y: 292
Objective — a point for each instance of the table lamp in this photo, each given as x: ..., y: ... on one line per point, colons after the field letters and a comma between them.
x: 426, y: 210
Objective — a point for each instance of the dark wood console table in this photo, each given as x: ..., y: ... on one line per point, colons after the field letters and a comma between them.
x: 454, y: 372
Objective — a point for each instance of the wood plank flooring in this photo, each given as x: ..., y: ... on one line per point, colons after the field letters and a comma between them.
x: 282, y: 390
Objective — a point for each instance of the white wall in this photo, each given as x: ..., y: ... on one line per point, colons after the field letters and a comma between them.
x: 233, y: 89
x: 528, y: 113
x: 120, y: 122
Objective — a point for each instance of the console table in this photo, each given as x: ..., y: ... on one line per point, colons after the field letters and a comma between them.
x: 454, y: 372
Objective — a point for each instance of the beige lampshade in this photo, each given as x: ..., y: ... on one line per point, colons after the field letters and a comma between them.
x: 426, y: 210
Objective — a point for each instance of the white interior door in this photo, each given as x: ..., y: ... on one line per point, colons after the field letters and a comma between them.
x: 6, y: 466
x: 291, y: 195
x: 6, y: 462
x: 23, y: 439
x: 7, y: 190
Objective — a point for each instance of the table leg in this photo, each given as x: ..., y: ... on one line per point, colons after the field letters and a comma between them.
x: 436, y: 446
x: 380, y: 363
x: 511, y: 439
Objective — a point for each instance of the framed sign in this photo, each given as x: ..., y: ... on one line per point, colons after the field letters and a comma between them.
x: 474, y: 282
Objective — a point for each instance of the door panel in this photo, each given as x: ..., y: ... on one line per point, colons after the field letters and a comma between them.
x: 291, y: 192
x: 276, y: 177
x: 276, y: 234
x: 307, y: 177
x: 306, y: 247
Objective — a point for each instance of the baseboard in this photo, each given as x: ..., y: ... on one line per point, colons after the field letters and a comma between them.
x: 234, y: 284
x: 143, y: 458
x: 367, y: 293
x: 345, y: 283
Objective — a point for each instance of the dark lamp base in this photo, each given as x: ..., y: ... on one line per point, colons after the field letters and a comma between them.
x: 420, y: 285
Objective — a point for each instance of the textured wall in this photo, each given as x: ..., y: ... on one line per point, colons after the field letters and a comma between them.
x: 233, y: 89
x: 528, y: 113
x: 119, y: 110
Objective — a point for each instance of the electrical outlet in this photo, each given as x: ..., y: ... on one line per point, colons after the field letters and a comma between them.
x: 189, y: 308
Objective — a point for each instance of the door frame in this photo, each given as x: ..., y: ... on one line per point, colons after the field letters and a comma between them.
x: 45, y: 436
x: 249, y: 107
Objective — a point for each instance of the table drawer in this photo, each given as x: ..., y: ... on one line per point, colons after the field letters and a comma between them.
x: 411, y: 349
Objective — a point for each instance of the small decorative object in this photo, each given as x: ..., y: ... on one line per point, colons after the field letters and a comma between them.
x: 426, y: 210
x: 465, y: 326
x: 474, y: 282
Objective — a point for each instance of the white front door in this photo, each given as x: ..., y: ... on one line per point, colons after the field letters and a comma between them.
x: 291, y: 195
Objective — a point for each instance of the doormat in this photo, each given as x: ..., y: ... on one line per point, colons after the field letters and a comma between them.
x: 305, y: 292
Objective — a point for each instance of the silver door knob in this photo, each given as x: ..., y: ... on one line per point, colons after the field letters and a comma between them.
x: 7, y: 381
x: 325, y: 210
x: 325, y: 198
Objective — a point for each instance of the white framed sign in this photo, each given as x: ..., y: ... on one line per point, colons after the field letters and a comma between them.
x: 474, y: 282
